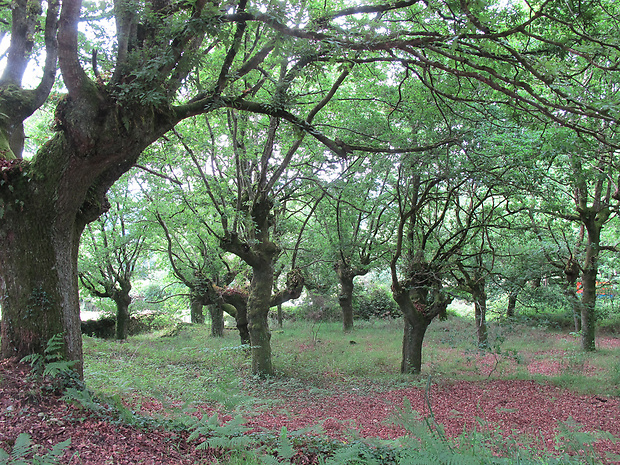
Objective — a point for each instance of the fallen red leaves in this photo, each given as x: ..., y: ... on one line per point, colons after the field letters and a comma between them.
x: 24, y: 408
x: 508, y: 407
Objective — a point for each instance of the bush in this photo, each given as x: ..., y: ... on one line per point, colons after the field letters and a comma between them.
x: 610, y: 325
x: 149, y: 322
x: 319, y: 308
x: 372, y: 301
x: 103, y: 327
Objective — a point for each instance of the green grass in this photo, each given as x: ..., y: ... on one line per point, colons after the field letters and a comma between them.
x: 191, y: 367
x: 194, y: 367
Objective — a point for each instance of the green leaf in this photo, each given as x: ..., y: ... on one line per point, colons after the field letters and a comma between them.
x: 22, y: 446
x: 285, y: 449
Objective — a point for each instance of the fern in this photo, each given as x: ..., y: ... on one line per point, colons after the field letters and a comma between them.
x: 23, y: 447
x: 285, y: 447
x: 229, y: 436
x: 51, y: 363
x: 84, y: 398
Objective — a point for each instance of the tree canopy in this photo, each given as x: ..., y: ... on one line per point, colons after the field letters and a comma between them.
x: 263, y: 98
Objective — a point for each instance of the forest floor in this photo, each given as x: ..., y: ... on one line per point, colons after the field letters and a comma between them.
x: 344, y: 409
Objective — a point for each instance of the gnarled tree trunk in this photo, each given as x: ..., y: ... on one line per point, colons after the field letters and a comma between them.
x: 345, y: 298
x: 420, y: 305
x: 259, y: 303
x: 346, y: 274
x: 38, y: 270
x: 53, y: 198
x: 122, y: 301
x: 195, y: 308
x: 480, y: 312
x: 239, y: 312
x: 413, y: 338
x: 217, y: 320
x: 512, y: 304
x: 593, y: 221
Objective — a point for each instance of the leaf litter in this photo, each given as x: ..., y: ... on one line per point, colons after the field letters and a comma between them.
x: 343, y: 410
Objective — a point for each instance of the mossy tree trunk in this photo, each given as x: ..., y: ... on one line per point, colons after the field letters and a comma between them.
x: 261, y: 254
x: 217, y: 320
x: 346, y: 275
x: 38, y: 275
x: 413, y: 339
x: 195, y: 306
x: 593, y: 221
x: 345, y: 299
x: 53, y: 198
x: 32, y: 290
x: 595, y: 200
x: 421, y: 299
x: 122, y: 300
x: 479, y: 296
x: 239, y: 311
x: 259, y: 303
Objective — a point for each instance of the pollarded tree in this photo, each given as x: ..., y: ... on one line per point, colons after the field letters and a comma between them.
x: 474, y: 265
x: 247, y: 217
x: 196, y: 262
x: 558, y: 242
x: 111, y: 250
x: 356, y: 222
x: 584, y: 179
x: 144, y: 83
x: 27, y: 22
x: 108, y: 117
x: 229, y: 185
x: 102, y: 125
x: 438, y: 207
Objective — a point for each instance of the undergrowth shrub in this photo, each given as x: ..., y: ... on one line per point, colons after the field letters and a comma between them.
x: 318, y: 308
x: 610, y: 325
x: 50, y: 369
x: 105, y: 326
x: 372, y: 301
x: 148, y: 322
x: 425, y: 443
x: 24, y: 452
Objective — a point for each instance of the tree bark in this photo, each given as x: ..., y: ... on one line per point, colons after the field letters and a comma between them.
x: 122, y: 300
x: 588, y: 309
x: 345, y: 298
x: 480, y: 311
x: 259, y: 303
x: 414, y: 307
x: 346, y: 274
x: 242, y: 324
x: 512, y: 304
x: 52, y: 199
x: 593, y: 221
x: 217, y: 320
x: 413, y: 339
x: 38, y: 274
x: 195, y: 306
x: 240, y: 313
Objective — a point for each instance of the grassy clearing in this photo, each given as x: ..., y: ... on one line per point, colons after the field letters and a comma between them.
x: 194, y: 367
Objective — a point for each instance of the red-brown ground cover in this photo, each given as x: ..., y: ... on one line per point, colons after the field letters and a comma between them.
x: 507, y: 407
